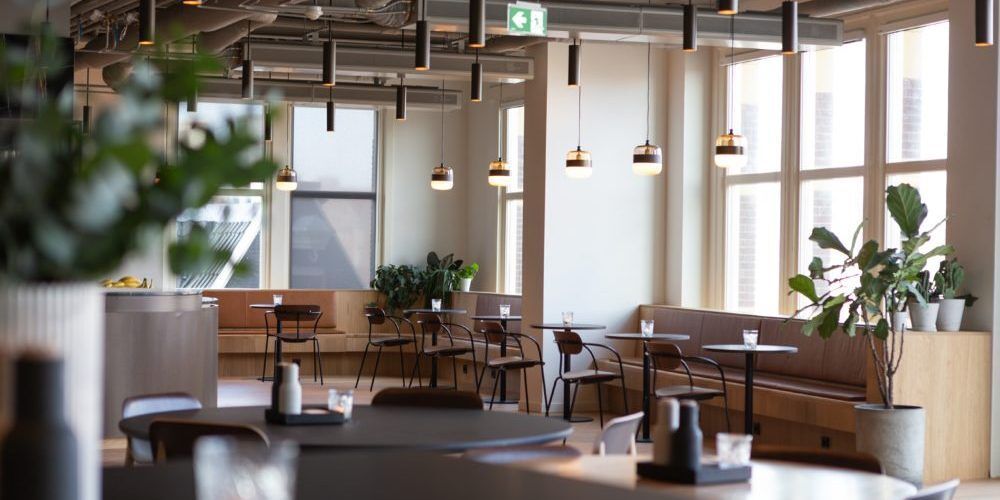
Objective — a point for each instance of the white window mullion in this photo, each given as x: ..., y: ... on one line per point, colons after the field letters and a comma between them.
x: 790, y: 181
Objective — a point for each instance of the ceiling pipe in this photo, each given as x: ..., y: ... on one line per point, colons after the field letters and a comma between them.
x: 836, y: 8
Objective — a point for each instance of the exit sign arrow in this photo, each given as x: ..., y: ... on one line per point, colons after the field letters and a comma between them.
x: 527, y: 19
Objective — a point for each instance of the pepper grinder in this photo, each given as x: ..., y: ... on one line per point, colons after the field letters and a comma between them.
x: 685, y: 444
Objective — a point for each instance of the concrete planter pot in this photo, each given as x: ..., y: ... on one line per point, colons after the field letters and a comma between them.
x: 895, y: 437
x: 464, y: 284
x: 901, y: 321
x: 923, y: 317
x: 950, y: 315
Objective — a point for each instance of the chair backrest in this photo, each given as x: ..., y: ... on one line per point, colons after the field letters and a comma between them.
x: 863, y: 462
x: 174, y: 439
x: 429, y: 322
x: 375, y: 315
x: 297, y: 312
x: 943, y: 491
x: 568, y: 342
x: 667, y: 356
x: 618, y: 436
x: 517, y: 454
x: 159, y: 403
x: 427, y: 397
x: 492, y: 331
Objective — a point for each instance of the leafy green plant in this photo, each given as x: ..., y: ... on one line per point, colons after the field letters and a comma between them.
x: 948, y: 279
x: 468, y: 272
x: 439, y: 276
x: 401, y: 285
x: 871, y: 284
x: 921, y: 290
x: 74, y: 204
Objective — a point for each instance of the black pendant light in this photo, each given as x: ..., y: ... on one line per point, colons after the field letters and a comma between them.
x: 647, y: 158
x: 193, y: 3
x: 690, y: 27
x: 86, y: 106
x: 422, y: 52
x: 477, y: 24
x: 329, y: 58
x: 729, y: 7
x: 192, y: 100
x: 247, y: 87
x: 730, y: 148
x: 331, y: 110
x: 401, y: 100
x: 147, y: 22
x: 442, y: 177
x: 268, y: 133
x: 499, y: 171
x: 984, y: 23
x: 476, y: 88
x: 789, y: 27
x: 573, y: 77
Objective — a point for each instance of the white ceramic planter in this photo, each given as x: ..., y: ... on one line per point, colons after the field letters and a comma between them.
x: 68, y: 319
x: 901, y: 321
x: 895, y: 437
x: 464, y: 284
x: 923, y: 317
x: 950, y: 315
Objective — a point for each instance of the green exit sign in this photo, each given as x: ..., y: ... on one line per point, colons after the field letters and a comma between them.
x: 527, y: 19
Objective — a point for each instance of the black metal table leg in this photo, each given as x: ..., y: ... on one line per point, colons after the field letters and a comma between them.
x: 434, y: 362
x: 503, y: 374
x: 748, y: 395
x: 277, y: 347
x: 566, y: 396
x: 645, y: 396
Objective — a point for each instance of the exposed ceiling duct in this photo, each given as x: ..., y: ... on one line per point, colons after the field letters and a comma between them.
x: 836, y: 8
x: 424, y: 98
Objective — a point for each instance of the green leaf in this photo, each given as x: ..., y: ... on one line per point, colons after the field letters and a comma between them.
x: 857, y: 234
x: 804, y: 285
x: 831, y: 319
x: 851, y: 324
x: 905, y: 207
x: 881, y: 331
x: 827, y: 240
x: 816, y: 268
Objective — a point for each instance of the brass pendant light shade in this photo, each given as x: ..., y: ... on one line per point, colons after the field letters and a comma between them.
x: 287, y: 179
x: 647, y: 159
x: 731, y: 150
x: 499, y: 175
x: 442, y: 178
x: 578, y: 164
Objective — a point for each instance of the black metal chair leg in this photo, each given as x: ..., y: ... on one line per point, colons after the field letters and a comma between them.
x: 375, y: 372
x: 625, y: 396
x: 493, y: 394
x: 725, y: 402
x: 362, y: 367
x: 315, y: 351
x: 527, y: 398
x: 552, y: 395
x: 600, y: 404
x: 572, y: 405
x: 454, y: 370
x: 541, y: 371
x: 263, y: 371
x: 319, y: 359
x: 402, y: 368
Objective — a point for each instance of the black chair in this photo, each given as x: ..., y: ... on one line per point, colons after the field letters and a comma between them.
x: 493, y: 333
x: 175, y: 439
x: 431, y: 324
x: 377, y: 316
x: 668, y: 357
x: 943, y: 491
x: 428, y: 397
x: 140, y: 450
x: 862, y: 462
x: 570, y: 344
x: 299, y: 314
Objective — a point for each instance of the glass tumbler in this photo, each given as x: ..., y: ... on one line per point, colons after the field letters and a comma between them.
x: 646, y: 327
x: 733, y: 449
x: 229, y: 469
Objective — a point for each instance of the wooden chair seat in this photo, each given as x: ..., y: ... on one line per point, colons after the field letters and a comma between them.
x: 590, y: 376
x: 688, y: 392
x: 446, y: 350
x: 513, y: 362
x: 391, y: 341
x: 293, y: 338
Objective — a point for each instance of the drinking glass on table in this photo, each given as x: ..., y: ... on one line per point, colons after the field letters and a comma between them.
x: 504, y: 311
x: 733, y: 449
x: 750, y: 338
x: 435, y: 305
x: 277, y: 299
x: 229, y: 469
x: 341, y: 402
x: 646, y: 327
x: 567, y: 318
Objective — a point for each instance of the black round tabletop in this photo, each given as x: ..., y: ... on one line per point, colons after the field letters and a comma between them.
x: 573, y: 326
x: 765, y: 348
x: 432, y: 311
x: 655, y: 336
x: 262, y: 306
x: 384, y: 427
x: 495, y: 317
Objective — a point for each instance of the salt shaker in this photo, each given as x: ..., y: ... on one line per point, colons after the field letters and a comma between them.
x: 667, y: 421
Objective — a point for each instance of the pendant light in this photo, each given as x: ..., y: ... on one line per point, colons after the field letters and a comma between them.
x: 647, y: 158
x: 442, y: 177
x: 730, y: 148
x: 193, y: 3
x: 287, y: 179
x: 499, y: 174
x: 477, y: 24
x: 247, y: 86
x: 690, y: 27
x: 577, y: 160
x: 147, y: 22
x: 729, y: 7
x: 401, y: 100
x: 984, y: 23
x: 573, y: 77
x: 476, y: 88
x: 331, y: 110
x: 789, y: 27
x: 86, y: 106
x: 268, y: 133
x: 192, y: 100
x: 422, y: 52
x: 329, y: 58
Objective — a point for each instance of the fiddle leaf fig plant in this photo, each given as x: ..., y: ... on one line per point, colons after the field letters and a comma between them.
x: 74, y: 203
x: 868, y: 285
x: 401, y: 285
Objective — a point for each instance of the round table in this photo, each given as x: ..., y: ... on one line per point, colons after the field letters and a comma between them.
x: 503, y: 352
x: 434, y: 338
x: 750, y: 354
x: 567, y: 361
x: 384, y: 427
x: 644, y: 437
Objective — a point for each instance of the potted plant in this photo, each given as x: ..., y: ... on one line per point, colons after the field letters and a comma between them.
x: 947, y: 280
x: 75, y: 203
x: 439, y: 276
x: 861, y: 294
x: 464, y: 276
x: 923, y: 312
x: 401, y: 285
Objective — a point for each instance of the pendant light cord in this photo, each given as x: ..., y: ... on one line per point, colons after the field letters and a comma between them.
x: 579, y: 106
x: 442, y: 122
x: 729, y: 69
x: 500, y: 135
x: 649, y: 51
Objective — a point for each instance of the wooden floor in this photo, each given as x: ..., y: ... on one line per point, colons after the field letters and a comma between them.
x: 250, y: 392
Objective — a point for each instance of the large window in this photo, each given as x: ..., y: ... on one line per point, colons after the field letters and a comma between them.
x: 753, y: 193
x: 234, y: 218
x: 333, y: 210
x: 512, y: 121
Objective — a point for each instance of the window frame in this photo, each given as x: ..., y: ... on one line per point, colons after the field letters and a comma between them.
x: 504, y: 197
